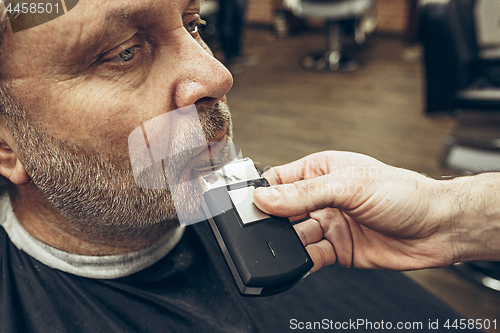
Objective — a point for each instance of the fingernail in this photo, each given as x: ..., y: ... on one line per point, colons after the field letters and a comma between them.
x: 270, y: 193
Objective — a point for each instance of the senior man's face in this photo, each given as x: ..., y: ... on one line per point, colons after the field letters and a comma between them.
x: 86, y: 80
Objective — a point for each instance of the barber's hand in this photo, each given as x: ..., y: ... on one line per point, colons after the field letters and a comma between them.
x: 361, y: 212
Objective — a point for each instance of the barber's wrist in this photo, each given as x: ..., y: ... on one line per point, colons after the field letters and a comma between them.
x: 474, y: 217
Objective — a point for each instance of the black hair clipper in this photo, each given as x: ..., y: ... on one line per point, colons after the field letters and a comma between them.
x: 263, y: 252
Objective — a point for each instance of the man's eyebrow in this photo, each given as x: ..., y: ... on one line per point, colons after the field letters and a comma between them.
x: 119, y: 21
x: 135, y: 16
x: 110, y: 30
x: 122, y: 16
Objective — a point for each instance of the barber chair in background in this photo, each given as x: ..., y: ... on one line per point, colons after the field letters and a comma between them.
x: 358, y: 16
x: 461, y: 42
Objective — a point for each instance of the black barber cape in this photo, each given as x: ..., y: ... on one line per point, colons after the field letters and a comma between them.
x: 192, y: 290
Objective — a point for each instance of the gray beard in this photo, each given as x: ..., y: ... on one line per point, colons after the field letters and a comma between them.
x: 97, y: 193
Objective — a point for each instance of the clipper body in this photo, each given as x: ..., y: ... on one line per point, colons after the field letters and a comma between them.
x: 263, y: 252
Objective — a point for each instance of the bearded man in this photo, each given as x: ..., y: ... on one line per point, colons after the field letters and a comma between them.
x: 83, y: 248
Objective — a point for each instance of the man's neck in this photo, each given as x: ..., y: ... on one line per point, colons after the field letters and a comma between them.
x: 45, y: 223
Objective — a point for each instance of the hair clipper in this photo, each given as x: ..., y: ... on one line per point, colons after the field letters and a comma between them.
x: 263, y: 252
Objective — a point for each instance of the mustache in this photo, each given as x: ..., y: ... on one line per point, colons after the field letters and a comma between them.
x: 214, y: 119
x: 163, y: 146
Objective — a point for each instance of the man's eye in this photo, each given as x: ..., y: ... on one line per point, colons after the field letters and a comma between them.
x: 128, y: 54
x: 192, y: 27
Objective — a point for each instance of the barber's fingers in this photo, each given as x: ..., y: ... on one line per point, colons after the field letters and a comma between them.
x: 322, y: 254
x: 287, y: 173
x: 304, y: 196
x: 318, y: 164
x: 328, y: 233
x: 309, y: 231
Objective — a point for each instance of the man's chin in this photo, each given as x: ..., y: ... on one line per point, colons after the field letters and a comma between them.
x: 187, y: 203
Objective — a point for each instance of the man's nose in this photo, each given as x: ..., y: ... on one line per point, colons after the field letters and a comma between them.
x: 203, y: 80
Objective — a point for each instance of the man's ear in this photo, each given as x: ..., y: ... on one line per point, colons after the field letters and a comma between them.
x: 10, y: 165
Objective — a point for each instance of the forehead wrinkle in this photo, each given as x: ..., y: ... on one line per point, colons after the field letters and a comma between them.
x: 145, y: 13
x: 128, y: 17
x: 136, y: 15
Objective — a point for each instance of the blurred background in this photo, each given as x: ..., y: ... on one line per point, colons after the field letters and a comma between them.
x: 415, y: 84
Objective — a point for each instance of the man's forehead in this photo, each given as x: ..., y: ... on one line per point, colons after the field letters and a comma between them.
x: 95, y: 13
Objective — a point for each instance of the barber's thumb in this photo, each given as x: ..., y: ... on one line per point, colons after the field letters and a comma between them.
x: 292, y: 199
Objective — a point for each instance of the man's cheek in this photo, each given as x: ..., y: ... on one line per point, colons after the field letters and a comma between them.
x: 92, y: 117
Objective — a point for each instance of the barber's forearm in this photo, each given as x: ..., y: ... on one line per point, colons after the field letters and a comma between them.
x: 474, y: 214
